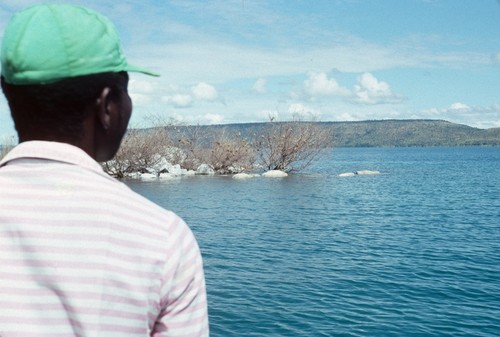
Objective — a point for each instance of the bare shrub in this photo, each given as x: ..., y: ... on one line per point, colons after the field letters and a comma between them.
x: 230, y: 153
x: 7, y: 144
x: 140, y: 150
x: 291, y: 146
x: 286, y: 146
x: 192, y: 141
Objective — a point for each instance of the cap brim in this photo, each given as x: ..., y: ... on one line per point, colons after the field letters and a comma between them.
x: 136, y: 69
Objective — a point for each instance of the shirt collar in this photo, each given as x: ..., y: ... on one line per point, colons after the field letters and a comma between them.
x: 52, y: 151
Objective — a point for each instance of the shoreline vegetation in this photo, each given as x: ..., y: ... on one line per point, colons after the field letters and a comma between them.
x: 246, y: 149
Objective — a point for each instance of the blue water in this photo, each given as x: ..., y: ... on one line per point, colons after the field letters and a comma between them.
x: 414, y: 251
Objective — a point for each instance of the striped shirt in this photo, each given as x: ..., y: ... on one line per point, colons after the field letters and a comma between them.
x: 83, y: 255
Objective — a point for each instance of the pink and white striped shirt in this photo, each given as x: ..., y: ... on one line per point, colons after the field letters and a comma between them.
x: 83, y: 255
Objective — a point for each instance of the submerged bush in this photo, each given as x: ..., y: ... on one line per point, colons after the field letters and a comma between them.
x: 285, y: 146
x: 291, y: 146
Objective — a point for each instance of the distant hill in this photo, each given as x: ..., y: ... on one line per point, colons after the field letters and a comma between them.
x: 393, y: 133
x: 390, y: 133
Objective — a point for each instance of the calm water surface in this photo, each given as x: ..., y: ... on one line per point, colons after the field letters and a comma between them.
x: 414, y: 251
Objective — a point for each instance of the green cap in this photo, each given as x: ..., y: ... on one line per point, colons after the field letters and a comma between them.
x: 46, y: 43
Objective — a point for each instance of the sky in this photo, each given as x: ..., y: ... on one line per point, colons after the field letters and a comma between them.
x: 238, y: 61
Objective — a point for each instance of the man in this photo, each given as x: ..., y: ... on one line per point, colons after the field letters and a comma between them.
x: 80, y: 253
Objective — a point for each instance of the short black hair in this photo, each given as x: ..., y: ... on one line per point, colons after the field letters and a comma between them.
x: 59, y: 108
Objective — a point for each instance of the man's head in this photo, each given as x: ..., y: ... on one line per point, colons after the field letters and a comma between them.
x: 65, y: 78
x: 71, y: 110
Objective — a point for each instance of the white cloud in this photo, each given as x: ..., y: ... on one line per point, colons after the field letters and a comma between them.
x: 204, y: 91
x: 141, y: 92
x: 179, y: 97
x: 346, y: 117
x: 477, y: 116
x: 179, y: 100
x: 214, y: 118
x: 140, y: 99
x: 319, y: 85
x: 225, y: 61
x: 260, y: 86
x: 459, y: 106
x: 370, y: 90
x: 302, y: 112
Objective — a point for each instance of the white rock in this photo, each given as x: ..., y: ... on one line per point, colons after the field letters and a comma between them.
x: 347, y: 174
x: 166, y: 176
x: 364, y: 172
x: 134, y: 175
x: 176, y: 170
x: 148, y: 176
x: 244, y: 176
x: 275, y: 174
x: 161, y: 165
x: 205, y: 169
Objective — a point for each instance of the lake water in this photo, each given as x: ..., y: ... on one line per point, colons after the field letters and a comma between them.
x: 414, y: 251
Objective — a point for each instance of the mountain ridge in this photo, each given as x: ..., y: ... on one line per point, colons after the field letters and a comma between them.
x: 386, y: 133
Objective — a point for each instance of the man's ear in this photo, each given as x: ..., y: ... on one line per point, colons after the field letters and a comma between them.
x: 104, y: 106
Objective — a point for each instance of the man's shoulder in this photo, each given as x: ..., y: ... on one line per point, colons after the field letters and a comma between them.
x: 135, y: 205
x: 130, y: 198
